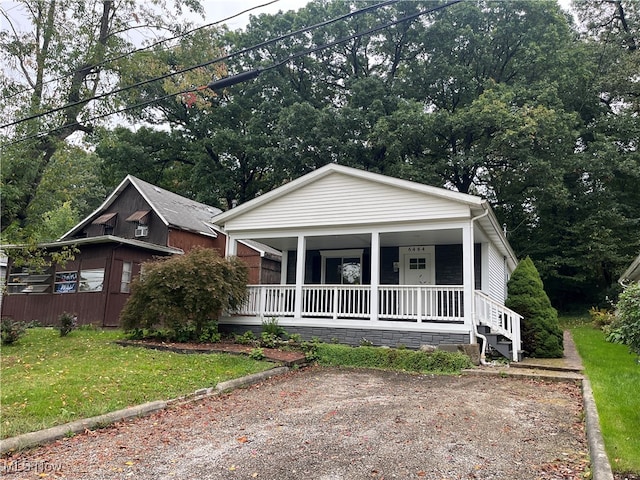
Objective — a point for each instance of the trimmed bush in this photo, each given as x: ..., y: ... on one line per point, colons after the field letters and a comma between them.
x: 626, y: 327
x: 541, y: 333
x: 390, y: 358
x: 184, y: 295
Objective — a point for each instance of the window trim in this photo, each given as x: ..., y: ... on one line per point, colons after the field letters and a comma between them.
x: 342, y: 254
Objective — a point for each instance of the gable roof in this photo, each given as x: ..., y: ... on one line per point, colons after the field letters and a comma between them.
x: 174, y: 210
x: 290, y: 187
x: 269, y: 205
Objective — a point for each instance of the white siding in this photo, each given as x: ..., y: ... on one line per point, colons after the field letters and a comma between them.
x: 497, y: 275
x: 338, y: 199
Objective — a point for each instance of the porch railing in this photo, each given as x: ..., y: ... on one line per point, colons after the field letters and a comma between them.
x: 500, y: 319
x: 336, y: 301
x: 421, y: 302
x: 413, y: 303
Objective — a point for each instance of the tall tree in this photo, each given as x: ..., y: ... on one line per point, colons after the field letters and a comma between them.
x: 54, y: 72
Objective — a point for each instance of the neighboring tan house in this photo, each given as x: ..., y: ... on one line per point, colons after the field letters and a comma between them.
x: 631, y: 274
x: 136, y: 223
x: 370, y: 257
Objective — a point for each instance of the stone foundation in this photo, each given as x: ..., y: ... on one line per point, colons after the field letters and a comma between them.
x: 360, y: 336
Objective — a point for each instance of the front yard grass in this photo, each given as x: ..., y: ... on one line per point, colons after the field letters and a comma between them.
x: 615, y: 379
x: 49, y: 380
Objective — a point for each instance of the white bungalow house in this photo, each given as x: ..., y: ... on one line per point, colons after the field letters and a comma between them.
x: 367, y: 256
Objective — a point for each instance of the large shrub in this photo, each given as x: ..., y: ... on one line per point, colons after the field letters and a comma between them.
x: 626, y: 327
x: 185, y: 294
x: 541, y: 333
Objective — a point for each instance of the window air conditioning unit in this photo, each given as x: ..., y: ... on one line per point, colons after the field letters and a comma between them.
x: 142, y: 230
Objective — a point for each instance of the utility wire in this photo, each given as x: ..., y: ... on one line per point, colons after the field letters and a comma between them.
x: 201, y: 65
x: 253, y: 73
x: 141, y: 49
x: 241, y: 77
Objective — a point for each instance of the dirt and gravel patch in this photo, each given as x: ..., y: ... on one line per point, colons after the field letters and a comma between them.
x: 320, y: 423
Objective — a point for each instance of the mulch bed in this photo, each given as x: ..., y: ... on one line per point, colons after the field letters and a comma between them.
x: 286, y: 357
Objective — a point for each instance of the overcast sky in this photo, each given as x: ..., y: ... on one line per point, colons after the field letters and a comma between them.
x: 219, y: 9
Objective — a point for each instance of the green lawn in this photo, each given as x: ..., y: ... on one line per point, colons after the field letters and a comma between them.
x: 615, y: 378
x: 49, y: 380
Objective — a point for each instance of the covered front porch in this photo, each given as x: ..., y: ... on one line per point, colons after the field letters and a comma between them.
x: 414, y: 283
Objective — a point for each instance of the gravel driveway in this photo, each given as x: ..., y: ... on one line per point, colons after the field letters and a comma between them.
x: 322, y: 423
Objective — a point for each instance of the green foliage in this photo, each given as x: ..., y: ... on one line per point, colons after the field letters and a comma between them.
x: 11, y: 331
x: 541, y: 333
x: 268, y: 340
x: 601, y: 318
x: 247, y: 338
x: 185, y: 294
x: 38, y: 258
x: 626, y: 328
x: 67, y: 323
x: 256, y: 354
x: 392, y: 359
x: 271, y: 327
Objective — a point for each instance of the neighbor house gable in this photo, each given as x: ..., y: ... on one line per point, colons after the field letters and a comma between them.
x: 170, y: 209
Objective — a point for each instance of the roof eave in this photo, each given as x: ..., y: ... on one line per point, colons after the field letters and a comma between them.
x: 632, y: 273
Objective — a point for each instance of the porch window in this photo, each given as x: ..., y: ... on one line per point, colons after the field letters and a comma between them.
x: 23, y: 280
x: 342, y: 267
x: 66, y: 282
x: 91, y: 280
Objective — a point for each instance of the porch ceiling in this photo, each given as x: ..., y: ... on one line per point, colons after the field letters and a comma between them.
x: 399, y: 239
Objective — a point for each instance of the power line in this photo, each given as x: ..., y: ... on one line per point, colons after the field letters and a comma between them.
x: 201, y: 65
x: 141, y: 49
x: 242, y: 77
x: 252, y: 74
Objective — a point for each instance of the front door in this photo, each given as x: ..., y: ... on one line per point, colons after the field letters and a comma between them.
x: 418, y: 265
x: 418, y: 268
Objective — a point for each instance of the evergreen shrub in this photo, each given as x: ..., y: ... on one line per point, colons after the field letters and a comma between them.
x: 541, y: 333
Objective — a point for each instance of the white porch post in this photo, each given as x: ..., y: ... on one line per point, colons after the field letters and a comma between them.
x: 375, y: 275
x: 284, y: 267
x: 231, y: 247
x: 468, y: 276
x: 300, y: 259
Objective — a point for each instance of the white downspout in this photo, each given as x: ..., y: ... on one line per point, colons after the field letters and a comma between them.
x: 473, y: 304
